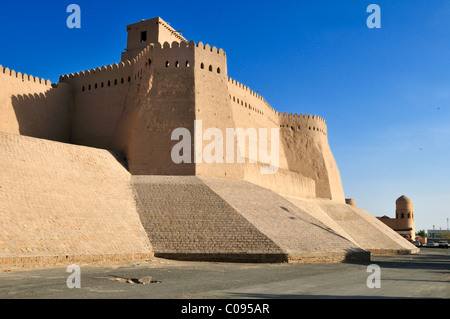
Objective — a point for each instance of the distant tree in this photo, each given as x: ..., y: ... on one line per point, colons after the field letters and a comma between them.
x: 421, y: 233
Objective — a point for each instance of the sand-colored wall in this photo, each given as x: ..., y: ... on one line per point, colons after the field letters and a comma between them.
x: 304, y: 149
x: 169, y: 86
x: 34, y: 107
x: 63, y: 204
x: 198, y: 223
x: 167, y: 102
x: 229, y: 220
x: 357, y: 225
x: 157, y: 31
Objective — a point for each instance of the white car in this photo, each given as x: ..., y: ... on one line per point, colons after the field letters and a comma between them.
x: 430, y: 244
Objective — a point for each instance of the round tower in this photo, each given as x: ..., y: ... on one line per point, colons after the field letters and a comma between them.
x: 350, y: 201
x: 404, y: 214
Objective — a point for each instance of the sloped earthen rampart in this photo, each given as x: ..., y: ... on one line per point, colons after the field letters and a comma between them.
x: 63, y: 204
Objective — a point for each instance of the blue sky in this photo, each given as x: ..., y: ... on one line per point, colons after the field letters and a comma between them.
x: 385, y: 93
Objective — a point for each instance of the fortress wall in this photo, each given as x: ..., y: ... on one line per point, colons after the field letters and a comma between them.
x: 213, y: 108
x: 34, y: 107
x: 244, y: 98
x: 304, y: 149
x: 62, y: 204
x: 250, y: 110
x: 370, y: 233
x: 299, y: 233
x: 355, y: 224
x: 165, y: 102
x: 99, y: 96
x: 185, y: 219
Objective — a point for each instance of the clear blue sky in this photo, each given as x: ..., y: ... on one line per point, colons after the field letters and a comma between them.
x: 385, y: 93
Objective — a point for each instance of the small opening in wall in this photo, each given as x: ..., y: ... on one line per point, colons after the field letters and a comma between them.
x: 143, y: 36
x: 115, y: 82
x: 403, y: 215
x: 188, y: 64
x: 102, y: 84
x: 177, y: 64
x: 202, y: 66
x: 121, y: 80
x: 95, y: 86
x: 167, y: 64
x: 129, y: 79
x: 109, y: 83
x: 210, y: 68
x: 89, y: 87
x: 149, y: 62
x: 218, y: 70
x: 83, y: 89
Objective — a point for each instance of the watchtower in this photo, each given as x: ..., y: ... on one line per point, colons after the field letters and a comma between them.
x: 141, y: 34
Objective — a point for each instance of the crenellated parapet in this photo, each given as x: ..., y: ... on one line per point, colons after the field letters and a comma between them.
x: 23, y: 77
x: 246, y: 98
x: 243, y: 96
x: 180, y: 55
x: 302, y: 122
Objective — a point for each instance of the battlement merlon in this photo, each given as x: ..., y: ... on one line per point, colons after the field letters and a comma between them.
x: 141, y: 34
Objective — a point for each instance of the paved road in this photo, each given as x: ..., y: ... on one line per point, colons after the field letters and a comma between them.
x: 424, y: 275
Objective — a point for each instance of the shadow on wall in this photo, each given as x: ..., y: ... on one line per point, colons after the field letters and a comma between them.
x: 44, y: 115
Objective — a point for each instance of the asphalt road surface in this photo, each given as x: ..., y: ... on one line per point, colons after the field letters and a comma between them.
x: 423, y: 275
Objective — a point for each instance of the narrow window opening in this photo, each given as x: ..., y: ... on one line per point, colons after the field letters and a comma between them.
x: 188, y: 64
x: 129, y: 79
x: 218, y: 70
x: 202, y: 66
x: 177, y: 64
x: 143, y: 36
x: 210, y: 68
x: 167, y: 64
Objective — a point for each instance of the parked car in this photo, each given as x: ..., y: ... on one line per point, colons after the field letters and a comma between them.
x: 430, y: 243
x: 443, y: 244
x: 417, y: 243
